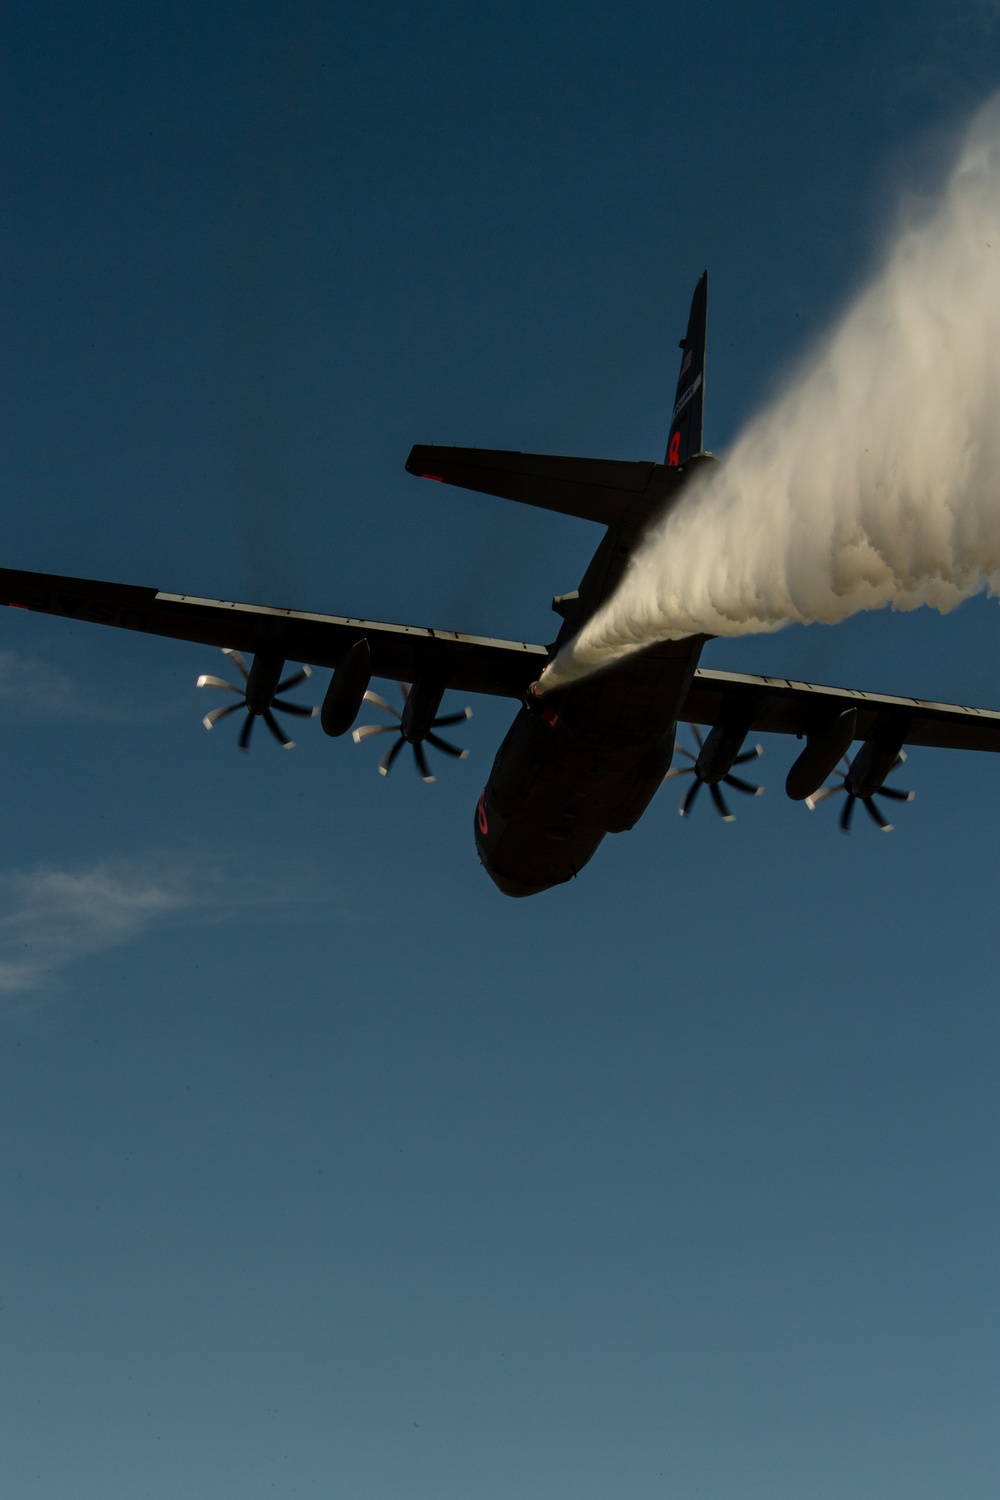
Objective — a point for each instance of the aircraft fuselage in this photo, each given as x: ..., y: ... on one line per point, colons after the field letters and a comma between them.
x: 588, y: 760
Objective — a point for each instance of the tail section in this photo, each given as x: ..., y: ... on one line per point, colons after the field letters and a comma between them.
x: 685, y: 438
x: 596, y: 489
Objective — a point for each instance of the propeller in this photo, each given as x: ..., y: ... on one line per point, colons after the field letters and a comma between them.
x: 258, y: 697
x: 871, y: 807
x: 737, y: 782
x: 366, y: 731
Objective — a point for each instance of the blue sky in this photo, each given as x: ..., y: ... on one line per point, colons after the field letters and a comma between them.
x: 326, y: 1169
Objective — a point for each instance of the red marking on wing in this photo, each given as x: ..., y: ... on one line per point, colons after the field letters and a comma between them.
x: 438, y: 478
x: 18, y: 606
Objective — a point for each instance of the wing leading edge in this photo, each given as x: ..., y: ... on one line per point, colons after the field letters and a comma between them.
x: 774, y: 705
x: 477, y: 664
x: 473, y: 664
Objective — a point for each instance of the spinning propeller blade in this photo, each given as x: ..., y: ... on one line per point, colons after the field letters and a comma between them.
x: 276, y: 730
x: 871, y: 807
x: 276, y: 705
x: 289, y: 682
x: 720, y: 803
x: 688, y: 800
x: 445, y: 745
x: 385, y: 764
x: 220, y: 713
x: 237, y: 661
x: 366, y: 731
x: 728, y: 779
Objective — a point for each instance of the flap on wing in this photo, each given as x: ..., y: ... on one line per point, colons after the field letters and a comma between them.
x: 596, y: 489
x: 471, y: 663
x: 773, y: 705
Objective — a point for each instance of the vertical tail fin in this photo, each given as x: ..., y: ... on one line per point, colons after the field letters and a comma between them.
x: 689, y: 403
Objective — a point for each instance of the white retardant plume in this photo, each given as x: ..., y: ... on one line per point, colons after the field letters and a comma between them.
x: 873, y: 479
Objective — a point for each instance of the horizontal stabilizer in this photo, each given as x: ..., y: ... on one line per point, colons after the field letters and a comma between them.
x: 596, y: 489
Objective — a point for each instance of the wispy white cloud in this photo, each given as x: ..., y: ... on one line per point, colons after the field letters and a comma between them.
x: 37, y: 687
x: 51, y: 917
x: 33, y: 688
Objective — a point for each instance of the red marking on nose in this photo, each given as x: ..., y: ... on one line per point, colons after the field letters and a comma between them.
x: 481, y: 818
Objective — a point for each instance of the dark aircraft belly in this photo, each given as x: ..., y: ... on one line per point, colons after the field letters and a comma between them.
x: 556, y: 789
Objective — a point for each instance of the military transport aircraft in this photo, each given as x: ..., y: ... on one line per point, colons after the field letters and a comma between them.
x: 580, y: 762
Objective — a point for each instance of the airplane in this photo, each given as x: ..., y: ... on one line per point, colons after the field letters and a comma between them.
x: 580, y: 762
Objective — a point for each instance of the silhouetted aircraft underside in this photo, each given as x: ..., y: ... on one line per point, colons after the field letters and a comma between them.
x: 580, y: 762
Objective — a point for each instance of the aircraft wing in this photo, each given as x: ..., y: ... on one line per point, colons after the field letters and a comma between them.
x: 470, y: 663
x: 774, y: 705
x: 477, y: 664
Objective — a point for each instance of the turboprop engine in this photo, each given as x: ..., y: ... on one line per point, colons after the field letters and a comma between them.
x: 260, y: 695
x: 716, y: 757
x: 866, y: 775
x: 415, y: 725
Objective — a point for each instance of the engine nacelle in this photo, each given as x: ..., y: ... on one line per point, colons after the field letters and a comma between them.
x: 827, y: 744
x: 262, y: 684
x: 347, y: 689
x: 876, y: 758
x: 718, y: 753
x: 422, y: 704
